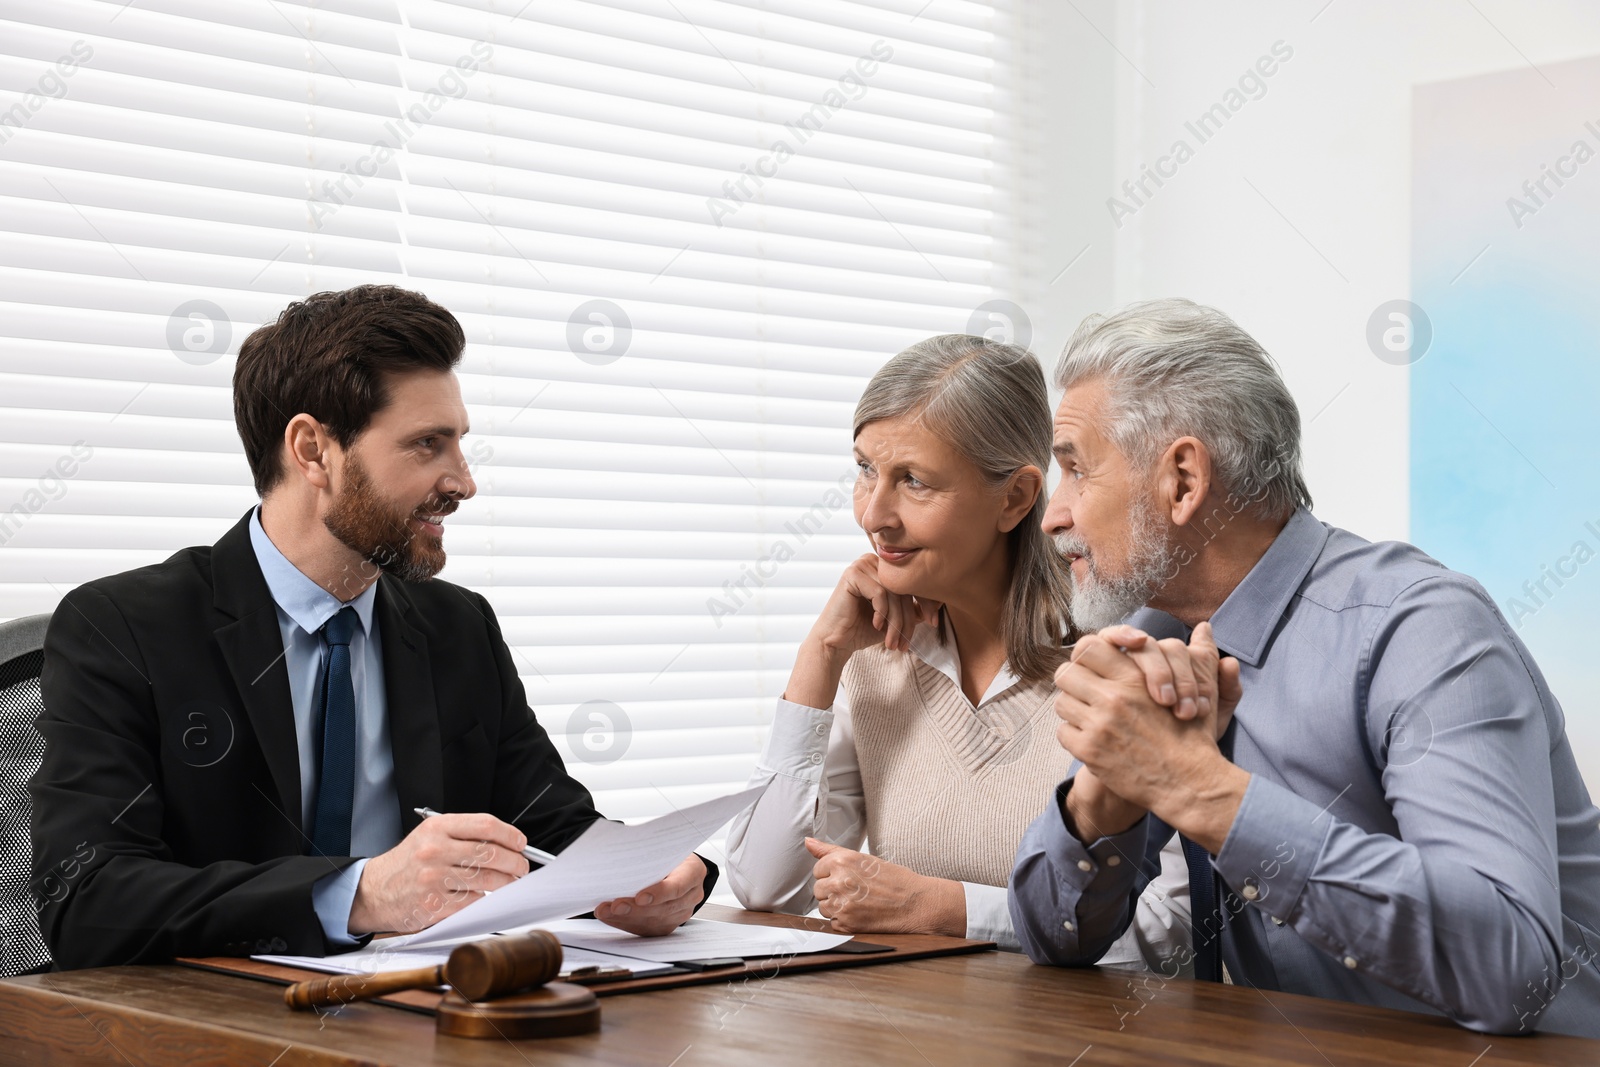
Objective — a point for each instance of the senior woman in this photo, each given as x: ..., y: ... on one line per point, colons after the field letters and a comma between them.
x: 919, y: 713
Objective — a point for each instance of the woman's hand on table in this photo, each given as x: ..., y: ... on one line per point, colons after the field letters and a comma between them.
x: 866, y: 894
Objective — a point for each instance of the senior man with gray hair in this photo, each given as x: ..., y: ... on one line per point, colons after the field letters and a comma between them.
x: 1394, y: 815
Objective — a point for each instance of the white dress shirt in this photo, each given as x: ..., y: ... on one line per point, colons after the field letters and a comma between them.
x: 814, y: 789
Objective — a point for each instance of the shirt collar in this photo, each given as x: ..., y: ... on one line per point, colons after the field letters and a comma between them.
x: 940, y: 653
x: 1247, y: 619
x: 304, y: 601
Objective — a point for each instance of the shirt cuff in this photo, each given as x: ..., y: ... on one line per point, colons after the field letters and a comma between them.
x: 1104, y: 865
x: 989, y: 915
x: 798, y: 741
x: 1099, y: 875
x: 332, y: 897
x: 1273, y: 846
x: 1070, y: 901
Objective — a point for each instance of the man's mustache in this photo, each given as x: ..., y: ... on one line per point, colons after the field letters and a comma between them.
x: 441, y: 506
x: 1070, y: 544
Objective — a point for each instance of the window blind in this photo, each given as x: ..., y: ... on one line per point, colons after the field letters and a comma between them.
x: 680, y: 235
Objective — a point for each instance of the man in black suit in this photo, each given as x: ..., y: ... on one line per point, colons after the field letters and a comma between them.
x: 236, y: 738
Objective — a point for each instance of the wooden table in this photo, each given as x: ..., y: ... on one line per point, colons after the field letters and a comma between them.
x: 992, y: 1007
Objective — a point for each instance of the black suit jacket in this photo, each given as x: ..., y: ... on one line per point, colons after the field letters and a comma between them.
x: 166, y: 813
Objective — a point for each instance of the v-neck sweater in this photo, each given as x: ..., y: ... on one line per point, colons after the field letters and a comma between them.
x: 936, y: 770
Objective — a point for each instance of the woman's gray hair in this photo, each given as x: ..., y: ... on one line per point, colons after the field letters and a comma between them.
x: 1173, y: 368
x: 989, y: 402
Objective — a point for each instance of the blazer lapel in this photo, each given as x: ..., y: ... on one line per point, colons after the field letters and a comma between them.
x: 413, y: 713
x: 252, y: 646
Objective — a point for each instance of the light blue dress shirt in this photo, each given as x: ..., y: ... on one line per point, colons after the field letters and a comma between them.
x: 1415, y: 833
x: 303, y: 607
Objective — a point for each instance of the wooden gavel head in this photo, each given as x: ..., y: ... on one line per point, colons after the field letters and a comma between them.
x: 481, y: 970
x: 501, y: 991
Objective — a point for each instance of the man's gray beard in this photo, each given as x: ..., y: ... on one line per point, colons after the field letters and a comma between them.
x: 1101, y: 601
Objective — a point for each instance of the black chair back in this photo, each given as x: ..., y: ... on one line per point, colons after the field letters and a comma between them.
x: 22, y: 950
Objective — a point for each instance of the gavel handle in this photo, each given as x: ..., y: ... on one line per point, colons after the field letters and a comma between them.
x: 344, y: 988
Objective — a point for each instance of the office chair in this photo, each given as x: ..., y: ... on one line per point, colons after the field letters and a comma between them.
x: 22, y: 949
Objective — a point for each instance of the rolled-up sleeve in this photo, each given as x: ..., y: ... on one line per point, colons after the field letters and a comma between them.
x: 1070, y: 901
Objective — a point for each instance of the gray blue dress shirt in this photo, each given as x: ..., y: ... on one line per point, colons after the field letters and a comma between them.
x: 1415, y: 833
x: 303, y: 607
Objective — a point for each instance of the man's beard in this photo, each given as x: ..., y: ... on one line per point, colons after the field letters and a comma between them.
x: 366, y: 523
x: 1102, y: 600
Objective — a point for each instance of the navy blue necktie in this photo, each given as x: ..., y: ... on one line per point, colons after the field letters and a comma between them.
x: 336, y: 780
x: 1205, y: 918
x: 1205, y: 923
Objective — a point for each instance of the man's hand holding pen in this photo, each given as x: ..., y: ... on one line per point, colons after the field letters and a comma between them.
x: 448, y: 861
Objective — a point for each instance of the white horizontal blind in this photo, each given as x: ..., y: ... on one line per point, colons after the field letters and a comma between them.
x: 680, y: 235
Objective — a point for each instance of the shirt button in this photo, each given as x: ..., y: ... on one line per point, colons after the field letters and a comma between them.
x: 1112, y: 861
x: 1250, y: 892
x: 1350, y: 962
x: 821, y: 730
x: 1276, y: 921
x: 1085, y: 865
x: 815, y: 757
x: 1067, y: 926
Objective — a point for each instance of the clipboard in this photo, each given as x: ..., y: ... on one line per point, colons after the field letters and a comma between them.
x: 879, y: 949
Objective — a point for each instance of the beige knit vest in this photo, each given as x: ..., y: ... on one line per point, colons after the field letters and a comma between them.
x: 949, y: 788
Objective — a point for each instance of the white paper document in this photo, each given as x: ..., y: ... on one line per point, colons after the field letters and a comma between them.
x: 696, y: 939
x: 369, y: 960
x: 590, y: 942
x: 610, y: 860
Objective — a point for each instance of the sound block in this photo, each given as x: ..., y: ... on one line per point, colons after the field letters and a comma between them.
x: 559, y: 1009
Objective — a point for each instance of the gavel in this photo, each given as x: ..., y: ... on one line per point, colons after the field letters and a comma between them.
x: 478, y: 970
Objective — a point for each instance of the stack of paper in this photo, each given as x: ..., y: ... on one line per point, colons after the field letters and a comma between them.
x: 591, y: 943
x: 696, y: 939
x: 376, y: 958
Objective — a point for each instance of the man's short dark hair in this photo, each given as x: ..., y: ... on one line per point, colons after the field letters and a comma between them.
x: 330, y: 356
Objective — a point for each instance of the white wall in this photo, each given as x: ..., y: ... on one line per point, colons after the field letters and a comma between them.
x: 1328, y: 146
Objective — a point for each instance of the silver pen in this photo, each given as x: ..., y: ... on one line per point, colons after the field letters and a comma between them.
x: 533, y: 855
